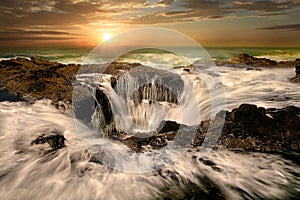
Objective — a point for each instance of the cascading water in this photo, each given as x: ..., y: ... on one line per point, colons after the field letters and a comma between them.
x: 144, y: 97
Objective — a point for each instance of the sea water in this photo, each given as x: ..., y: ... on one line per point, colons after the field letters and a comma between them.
x: 29, y: 172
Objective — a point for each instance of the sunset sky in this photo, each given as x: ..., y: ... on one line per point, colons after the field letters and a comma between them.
x: 210, y: 22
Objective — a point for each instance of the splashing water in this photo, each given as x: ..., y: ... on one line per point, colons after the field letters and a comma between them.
x: 28, y: 173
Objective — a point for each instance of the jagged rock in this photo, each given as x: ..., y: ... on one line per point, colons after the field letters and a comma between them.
x: 288, y: 120
x: 113, y: 81
x: 250, y: 128
x: 55, y: 140
x: 117, y: 68
x: 247, y: 60
x: 250, y: 60
x: 296, y: 79
x: 38, y: 79
x: 137, y: 141
x: 168, y: 126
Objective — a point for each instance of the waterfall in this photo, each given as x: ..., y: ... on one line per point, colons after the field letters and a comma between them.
x: 144, y: 97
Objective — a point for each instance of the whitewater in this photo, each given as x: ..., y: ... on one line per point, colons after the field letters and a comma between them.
x: 34, y: 172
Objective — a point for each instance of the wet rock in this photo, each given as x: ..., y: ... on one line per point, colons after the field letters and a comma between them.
x: 256, y: 129
x: 83, y: 103
x: 296, y: 79
x: 55, y: 140
x: 101, y: 156
x: 247, y: 60
x: 199, y: 138
x: 38, y: 79
x: 118, y: 68
x: 5, y: 95
x: 113, y: 81
x: 139, y: 141
x: 167, y: 126
x: 288, y: 120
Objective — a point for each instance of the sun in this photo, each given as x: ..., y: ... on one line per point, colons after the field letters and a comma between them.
x: 106, y: 36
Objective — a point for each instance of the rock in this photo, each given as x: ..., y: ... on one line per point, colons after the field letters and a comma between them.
x: 5, y: 95
x: 168, y: 126
x: 296, y: 79
x: 118, y: 68
x: 247, y: 60
x: 288, y: 120
x: 298, y: 69
x: 101, y: 156
x: 38, y: 79
x: 106, y: 114
x: 138, y: 141
x: 55, y: 140
x: 113, y: 81
x: 250, y: 128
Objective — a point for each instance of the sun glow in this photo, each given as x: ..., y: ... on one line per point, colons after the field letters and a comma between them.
x: 106, y: 36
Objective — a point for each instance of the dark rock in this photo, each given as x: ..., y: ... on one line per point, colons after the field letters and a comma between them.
x: 250, y: 128
x: 105, y: 107
x: 298, y: 69
x: 247, y: 60
x: 288, y: 120
x: 138, y: 141
x: 5, y: 95
x: 199, y: 138
x: 168, y: 126
x: 84, y: 103
x: 55, y: 140
x: 186, y: 70
x: 296, y: 79
x: 113, y: 81
x: 38, y: 79
x: 118, y: 68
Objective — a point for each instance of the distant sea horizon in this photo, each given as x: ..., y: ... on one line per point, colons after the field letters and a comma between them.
x: 78, y: 54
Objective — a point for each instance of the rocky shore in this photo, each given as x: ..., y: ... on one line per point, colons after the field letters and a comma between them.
x: 248, y: 127
x: 246, y: 60
x: 34, y: 79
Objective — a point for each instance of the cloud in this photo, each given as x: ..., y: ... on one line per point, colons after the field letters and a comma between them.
x: 40, y: 19
x: 288, y: 27
x: 184, y: 11
x: 83, y: 12
x: 24, y: 32
x: 24, y: 35
x: 265, y: 5
x: 38, y: 38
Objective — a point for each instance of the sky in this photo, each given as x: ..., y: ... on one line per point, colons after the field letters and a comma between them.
x: 269, y: 23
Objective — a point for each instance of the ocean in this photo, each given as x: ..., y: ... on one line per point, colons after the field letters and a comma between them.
x: 78, y: 55
x: 29, y: 172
